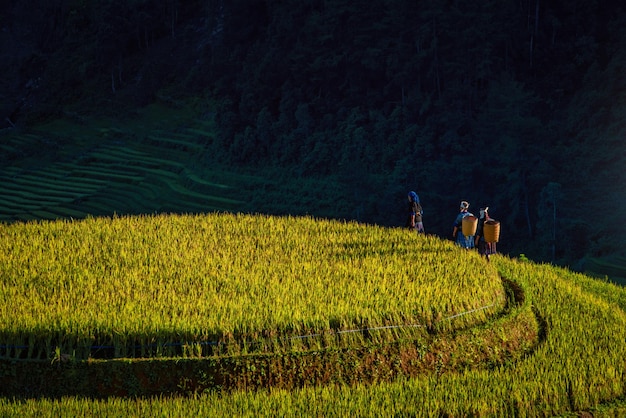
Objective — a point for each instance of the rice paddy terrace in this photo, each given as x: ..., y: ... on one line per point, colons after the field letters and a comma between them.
x: 160, y: 161
x: 70, y: 171
x: 120, y: 314
x: 294, y: 316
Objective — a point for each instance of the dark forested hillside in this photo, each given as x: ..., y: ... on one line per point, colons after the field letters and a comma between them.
x: 519, y: 105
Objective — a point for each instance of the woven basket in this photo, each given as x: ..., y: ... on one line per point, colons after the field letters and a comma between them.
x: 491, y: 230
x: 469, y: 224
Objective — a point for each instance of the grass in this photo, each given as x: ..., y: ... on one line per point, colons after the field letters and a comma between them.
x: 555, y: 348
x: 612, y: 268
x: 206, y: 270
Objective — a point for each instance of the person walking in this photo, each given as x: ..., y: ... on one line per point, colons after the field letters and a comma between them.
x: 414, y: 221
x: 457, y: 230
x: 484, y: 248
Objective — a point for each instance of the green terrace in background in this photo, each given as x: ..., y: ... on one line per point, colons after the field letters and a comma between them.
x: 611, y: 267
x: 159, y: 161
x: 105, y: 167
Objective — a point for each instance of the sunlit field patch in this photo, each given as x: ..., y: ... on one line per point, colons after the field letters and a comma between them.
x: 232, y: 280
x: 404, y: 325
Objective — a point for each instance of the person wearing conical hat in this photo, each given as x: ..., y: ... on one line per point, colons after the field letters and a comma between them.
x: 457, y: 230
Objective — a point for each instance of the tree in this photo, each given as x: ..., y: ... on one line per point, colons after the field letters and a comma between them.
x: 549, y: 199
x: 510, y: 140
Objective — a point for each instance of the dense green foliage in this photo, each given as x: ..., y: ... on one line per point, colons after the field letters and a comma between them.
x: 515, y: 105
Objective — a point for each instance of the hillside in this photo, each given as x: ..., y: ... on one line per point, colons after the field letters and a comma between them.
x: 161, y: 160
x: 505, y: 338
x: 515, y: 106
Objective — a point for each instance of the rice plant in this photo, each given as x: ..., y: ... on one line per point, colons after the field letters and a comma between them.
x: 239, y: 277
x: 232, y: 279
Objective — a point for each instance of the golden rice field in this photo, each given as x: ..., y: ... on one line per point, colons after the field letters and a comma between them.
x: 262, y: 290
x: 226, y: 278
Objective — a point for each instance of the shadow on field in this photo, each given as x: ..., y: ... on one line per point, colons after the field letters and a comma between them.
x: 515, y: 333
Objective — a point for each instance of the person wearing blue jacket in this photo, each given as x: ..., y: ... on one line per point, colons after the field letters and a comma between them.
x: 457, y: 231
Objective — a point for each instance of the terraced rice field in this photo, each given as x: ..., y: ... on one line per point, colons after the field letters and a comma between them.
x: 309, y: 317
x: 123, y: 173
